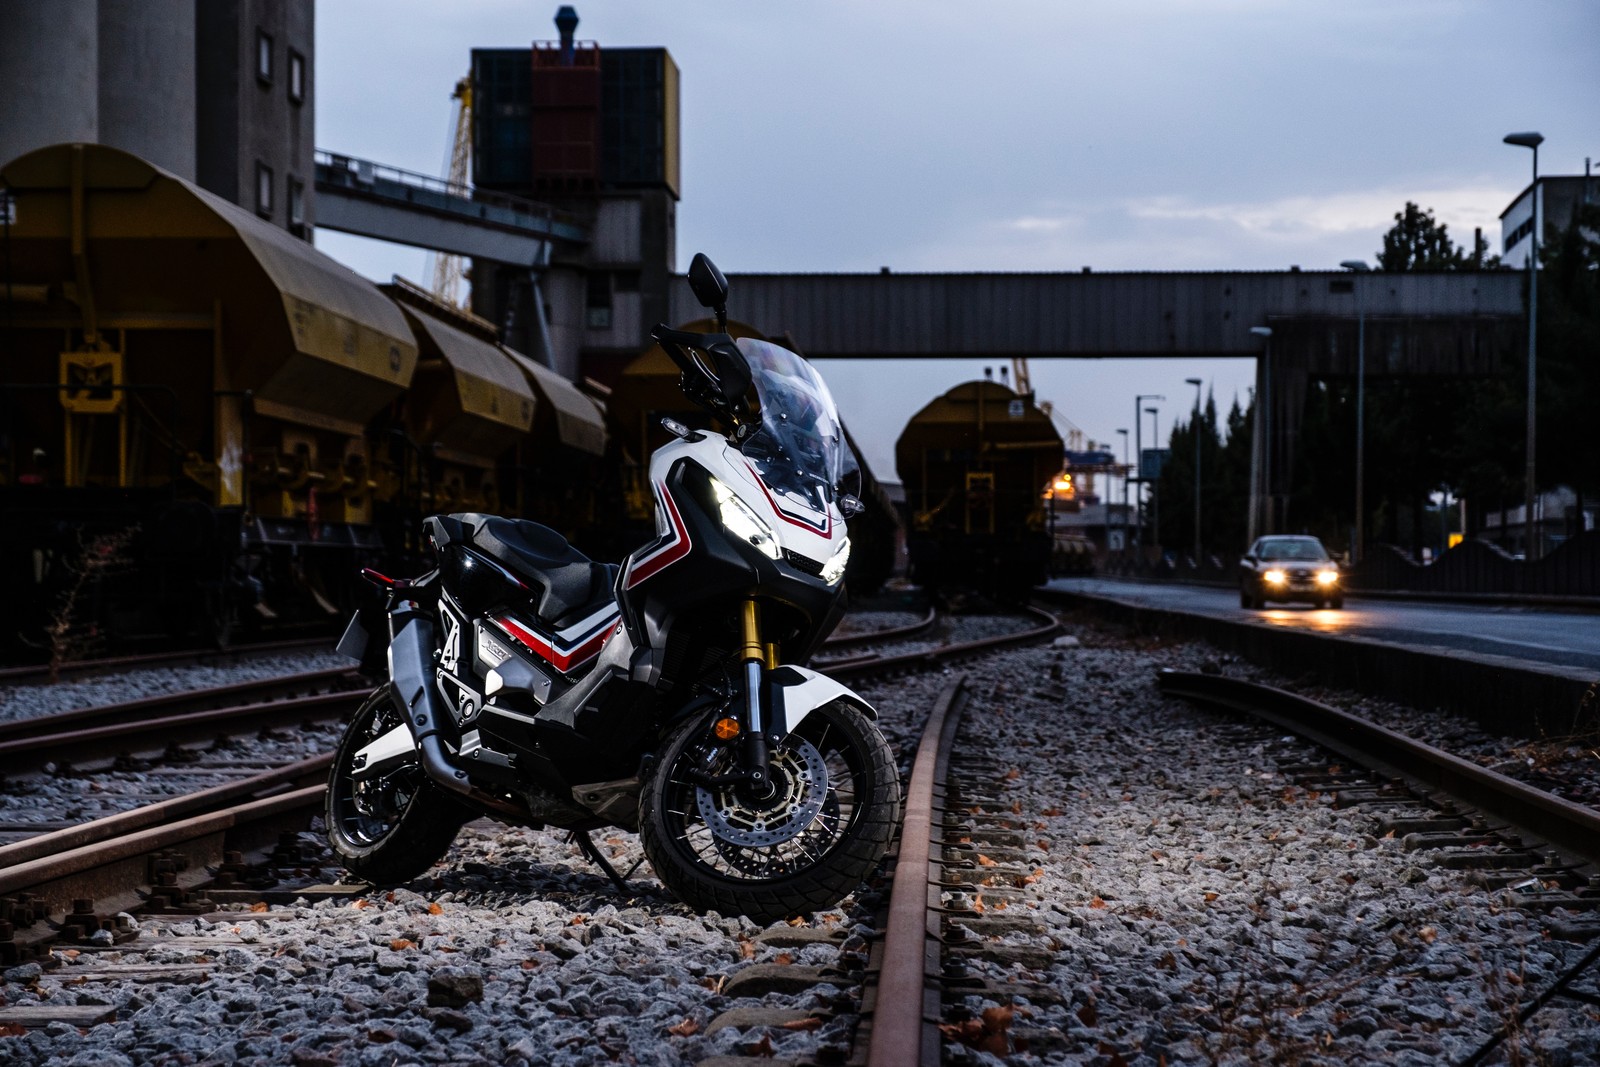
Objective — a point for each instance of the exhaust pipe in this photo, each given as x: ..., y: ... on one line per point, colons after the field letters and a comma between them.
x: 413, y: 692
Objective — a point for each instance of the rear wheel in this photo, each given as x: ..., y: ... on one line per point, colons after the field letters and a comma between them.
x: 1337, y: 603
x: 393, y: 827
x: 823, y: 830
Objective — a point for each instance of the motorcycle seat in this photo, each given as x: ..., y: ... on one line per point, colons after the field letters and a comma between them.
x: 569, y: 582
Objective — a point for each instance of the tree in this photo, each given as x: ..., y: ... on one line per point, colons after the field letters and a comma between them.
x: 1418, y: 241
x: 1569, y: 356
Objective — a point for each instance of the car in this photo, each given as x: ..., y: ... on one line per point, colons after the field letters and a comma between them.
x: 1289, y: 567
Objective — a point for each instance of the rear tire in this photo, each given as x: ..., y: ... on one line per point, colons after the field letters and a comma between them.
x: 1337, y: 603
x: 854, y: 805
x: 394, y: 828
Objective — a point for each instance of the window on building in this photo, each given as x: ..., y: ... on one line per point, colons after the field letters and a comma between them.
x: 263, y: 190
x: 598, y: 300
x: 297, y: 76
x: 264, y: 56
x: 297, y: 207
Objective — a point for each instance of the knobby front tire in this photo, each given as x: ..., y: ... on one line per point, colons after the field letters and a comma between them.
x: 839, y: 848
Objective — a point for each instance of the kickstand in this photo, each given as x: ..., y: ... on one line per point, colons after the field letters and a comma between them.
x: 587, y: 847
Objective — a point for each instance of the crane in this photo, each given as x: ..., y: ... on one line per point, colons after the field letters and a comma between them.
x: 449, y: 271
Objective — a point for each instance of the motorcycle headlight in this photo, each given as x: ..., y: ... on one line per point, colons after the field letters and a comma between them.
x: 833, y: 570
x: 744, y: 523
x: 1275, y: 577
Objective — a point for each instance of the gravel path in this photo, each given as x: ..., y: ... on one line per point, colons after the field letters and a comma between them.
x: 1192, y: 904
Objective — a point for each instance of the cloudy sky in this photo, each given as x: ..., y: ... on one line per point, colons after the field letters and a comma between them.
x: 946, y: 135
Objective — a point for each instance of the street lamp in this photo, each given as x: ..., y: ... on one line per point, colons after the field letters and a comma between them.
x: 1261, y: 459
x: 1358, y: 544
x: 1533, y: 141
x: 1138, y: 446
x: 1196, y: 383
x: 1125, y: 471
x: 1155, y: 497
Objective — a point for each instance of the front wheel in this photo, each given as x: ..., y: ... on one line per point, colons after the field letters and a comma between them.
x: 391, y: 828
x: 802, y: 849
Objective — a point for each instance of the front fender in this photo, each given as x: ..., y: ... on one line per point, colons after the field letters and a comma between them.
x: 795, y: 692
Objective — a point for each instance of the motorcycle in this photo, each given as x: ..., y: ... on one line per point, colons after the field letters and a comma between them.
x: 667, y: 695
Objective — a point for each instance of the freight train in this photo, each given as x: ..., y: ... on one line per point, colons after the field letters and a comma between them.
x: 206, y: 423
x: 974, y: 463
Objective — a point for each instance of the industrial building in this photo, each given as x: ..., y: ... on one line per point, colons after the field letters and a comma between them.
x: 219, y: 94
x: 592, y: 131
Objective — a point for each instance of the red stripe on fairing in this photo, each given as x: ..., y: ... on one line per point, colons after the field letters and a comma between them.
x: 562, y: 662
x: 827, y: 528
x: 667, y: 554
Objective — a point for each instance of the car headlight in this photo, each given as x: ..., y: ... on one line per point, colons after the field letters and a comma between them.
x: 1327, y: 577
x: 744, y: 523
x: 1275, y: 577
x: 833, y: 570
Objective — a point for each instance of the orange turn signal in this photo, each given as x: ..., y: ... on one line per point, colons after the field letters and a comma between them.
x: 726, y: 729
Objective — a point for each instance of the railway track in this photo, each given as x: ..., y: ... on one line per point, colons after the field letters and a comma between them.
x: 97, y: 736
x: 38, y: 673
x: 1027, y: 899
x: 155, y: 851
x: 962, y: 844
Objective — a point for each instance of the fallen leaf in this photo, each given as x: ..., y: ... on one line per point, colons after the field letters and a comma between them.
x: 360, y: 902
x: 1001, y: 905
x: 762, y: 1047
x: 688, y: 1028
x: 1428, y: 934
x: 978, y: 905
x: 1051, y: 811
x: 577, y: 920
x: 783, y: 959
x: 810, y: 1022
x: 796, y: 921
x: 1029, y: 879
x: 1169, y: 962
x: 389, y: 897
x: 445, y: 948
x: 747, y: 949
x: 260, y: 906
x: 402, y: 943
x: 1013, y: 774
x: 529, y: 965
x: 435, y: 908
x: 985, y: 861
x: 1016, y: 807
x: 1087, y: 1015
x: 1157, y: 854
x: 1096, y: 903
x: 1044, y: 845
x: 12, y: 1030
x: 1210, y: 897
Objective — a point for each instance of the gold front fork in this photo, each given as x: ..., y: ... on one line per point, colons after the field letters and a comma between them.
x: 757, y: 657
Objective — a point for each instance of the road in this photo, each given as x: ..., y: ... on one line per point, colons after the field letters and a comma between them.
x: 1534, y: 635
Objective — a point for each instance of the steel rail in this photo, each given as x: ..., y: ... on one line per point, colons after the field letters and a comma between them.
x: 295, y: 774
x: 905, y: 1005
x: 1542, y: 815
x: 232, y: 695
x: 32, y: 673
x: 56, y: 878
x: 889, y: 633
x: 939, y: 657
x: 79, y: 746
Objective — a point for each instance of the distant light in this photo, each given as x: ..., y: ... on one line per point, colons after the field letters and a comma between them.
x: 1261, y: 331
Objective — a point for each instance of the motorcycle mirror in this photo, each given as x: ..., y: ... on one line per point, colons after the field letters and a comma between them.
x: 709, y: 286
x: 851, y: 505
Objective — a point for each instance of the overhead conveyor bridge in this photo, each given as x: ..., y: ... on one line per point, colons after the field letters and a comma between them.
x: 370, y: 199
